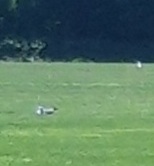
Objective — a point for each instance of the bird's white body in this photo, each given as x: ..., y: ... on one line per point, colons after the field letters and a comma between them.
x: 139, y: 64
x: 45, y: 111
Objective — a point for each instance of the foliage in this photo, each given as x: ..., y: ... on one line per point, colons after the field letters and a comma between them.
x: 21, y: 49
x: 57, y: 21
x: 13, y: 4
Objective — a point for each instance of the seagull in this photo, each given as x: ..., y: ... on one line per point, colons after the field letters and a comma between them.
x: 139, y: 64
x: 41, y: 110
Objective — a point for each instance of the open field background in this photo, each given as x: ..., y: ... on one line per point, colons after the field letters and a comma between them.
x: 105, y: 116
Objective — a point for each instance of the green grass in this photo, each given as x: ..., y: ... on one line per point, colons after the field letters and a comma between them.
x: 105, y: 116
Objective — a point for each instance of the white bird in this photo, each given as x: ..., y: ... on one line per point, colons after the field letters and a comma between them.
x: 45, y: 111
x: 139, y: 64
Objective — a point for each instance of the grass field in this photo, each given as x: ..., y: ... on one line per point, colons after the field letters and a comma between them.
x: 105, y: 114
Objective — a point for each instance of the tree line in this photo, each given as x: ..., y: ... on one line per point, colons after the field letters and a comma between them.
x: 68, y: 29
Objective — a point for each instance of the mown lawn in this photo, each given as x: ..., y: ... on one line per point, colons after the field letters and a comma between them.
x: 105, y: 114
